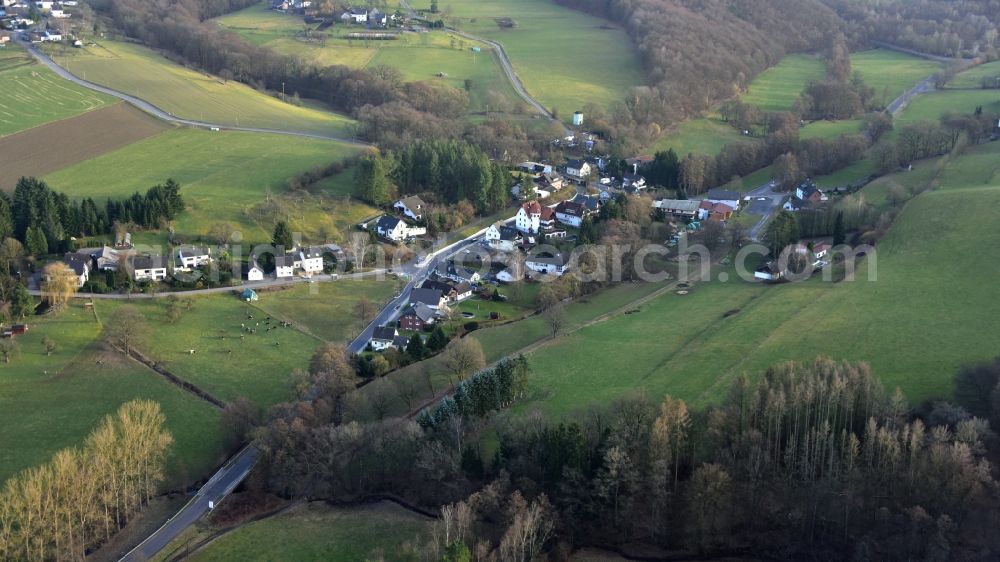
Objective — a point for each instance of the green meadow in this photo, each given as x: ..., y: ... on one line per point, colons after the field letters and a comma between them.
x: 33, y: 95
x: 316, y: 531
x: 228, y: 176
x: 891, y: 73
x: 183, y: 92
x: 916, y: 323
x: 53, y: 402
x: 777, y: 88
x: 973, y: 77
x: 933, y: 105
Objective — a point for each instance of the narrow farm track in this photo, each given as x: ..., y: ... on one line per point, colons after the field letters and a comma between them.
x: 161, y: 114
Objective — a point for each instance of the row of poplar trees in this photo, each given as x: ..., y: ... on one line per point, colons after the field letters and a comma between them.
x: 64, y: 509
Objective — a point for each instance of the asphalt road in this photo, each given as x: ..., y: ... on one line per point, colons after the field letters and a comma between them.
x: 215, y: 490
x: 161, y: 114
x: 764, y: 201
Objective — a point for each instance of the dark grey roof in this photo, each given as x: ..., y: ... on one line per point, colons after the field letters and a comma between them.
x: 575, y: 164
x: 400, y: 341
x: 430, y: 297
x: 190, y: 251
x: 387, y: 222
x: 79, y: 263
x: 719, y: 194
x: 509, y: 233
x: 412, y: 202
x: 437, y: 285
x: 591, y: 203
x: 384, y: 333
x: 558, y: 259
x: 808, y: 188
x: 148, y: 262
x: 314, y: 251
x: 284, y: 260
x: 571, y: 208
x: 421, y: 311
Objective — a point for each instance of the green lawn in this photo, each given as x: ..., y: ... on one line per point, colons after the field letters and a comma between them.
x: 224, y: 176
x: 973, y: 78
x: 830, y: 129
x: 933, y: 105
x: 928, y: 312
x: 53, y: 402
x: 194, y: 95
x: 777, y: 88
x: 34, y: 95
x: 257, y: 366
x: 326, y: 310
x: 706, y: 135
x: 316, y: 532
x: 565, y: 58
x: 891, y: 73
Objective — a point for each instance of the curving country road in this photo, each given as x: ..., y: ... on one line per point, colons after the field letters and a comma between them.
x: 505, y: 64
x: 161, y: 114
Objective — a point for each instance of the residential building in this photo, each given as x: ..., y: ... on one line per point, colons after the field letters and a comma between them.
x: 190, y: 257
x: 149, y: 268
x: 80, y: 264
x: 506, y: 276
x: 396, y: 229
x: 578, y: 170
x: 570, y: 213
x: 411, y: 206
x: 502, y: 238
x: 377, y: 18
x: 634, y: 181
x: 383, y: 338
x: 718, y: 211
x: 107, y: 259
x: 310, y: 260
x: 528, y: 217
x: 417, y: 318
x: 550, y: 181
x: 807, y: 191
x: 457, y: 273
x: 552, y: 265
x: 547, y: 219
x: 432, y: 298
x: 535, y: 167
x: 284, y: 266
x: 355, y: 15
x: 254, y: 272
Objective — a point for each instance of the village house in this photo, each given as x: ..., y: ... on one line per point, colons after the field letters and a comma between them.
x: 547, y: 219
x: 355, y: 15
x: 383, y: 337
x: 284, y: 266
x: 578, y: 170
x: 57, y: 11
x: 570, y: 213
x: 530, y: 191
x: 80, y: 264
x: 452, y: 291
x: 377, y: 18
x: 395, y: 229
x: 310, y: 260
x: 535, y: 167
x: 715, y: 211
x: 552, y: 265
x: 507, y: 276
x: 149, y: 268
x: 411, y: 206
x: 502, y: 238
x: 458, y: 274
x: 191, y: 257
x: 806, y: 195
x: 528, y: 217
x: 549, y: 182
x: 432, y: 298
x: 633, y: 181
x: 417, y: 318
x: 107, y: 259
x: 254, y: 272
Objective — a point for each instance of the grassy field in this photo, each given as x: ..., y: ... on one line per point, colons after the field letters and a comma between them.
x: 777, y: 88
x: 325, y: 310
x: 565, y: 58
x: 830, y: 129
x: 891, y: 73
x: 34, y: 95
x: 225, y: 176
x: 194, y: 95
x: 52, y: 402
x: 699, y: 136
x: 319, y: 532
x: 437, y: 56
x: 226, y: 365
x: 916, y: 324
x: 933, y: 105
x: 973, y: 78
x: 53, y: 146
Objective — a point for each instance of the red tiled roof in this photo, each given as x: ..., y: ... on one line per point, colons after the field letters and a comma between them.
x: 532, y: 208
x: 548, y: 213
x: 705, y: 204
x: 722, y: 208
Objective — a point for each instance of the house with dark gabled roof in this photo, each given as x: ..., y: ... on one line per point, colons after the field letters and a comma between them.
x: 571, y: 213
x: 546, y: 263
x: 411, y: 206
x: 149, y: 268
x: 578, y: 170
x: 502, y: 238
x: 383, y: 337
x: 432, y: 298
x: 417, y: 318
x: 396, y: 229
x: 190, y: 257
x: 80, y: 264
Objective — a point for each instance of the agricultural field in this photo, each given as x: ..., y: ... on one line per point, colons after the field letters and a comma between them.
x: 229, y: 176
x: 565, y: 58
x: 915, y: 324
x: 326, y: 310
x: 777, y: 88
x: 706, y: 135
x: 34, y: 95
x: 56, y: 145
x: 190, y: 94
x: 973, y: 77
x: 933, y: 105
x: 316, y: 531
x: 224, y: 364
x: 891, y: 73
x: 53, y: 402
x: 830, y: 129
x: 438, y: 56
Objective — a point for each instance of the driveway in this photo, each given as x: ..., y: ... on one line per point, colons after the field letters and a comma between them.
x: 765, y: 201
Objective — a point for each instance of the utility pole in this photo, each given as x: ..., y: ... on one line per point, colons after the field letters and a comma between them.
x: 283, y: 91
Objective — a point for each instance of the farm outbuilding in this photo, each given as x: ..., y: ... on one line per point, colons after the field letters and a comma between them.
x: 250, y: 295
